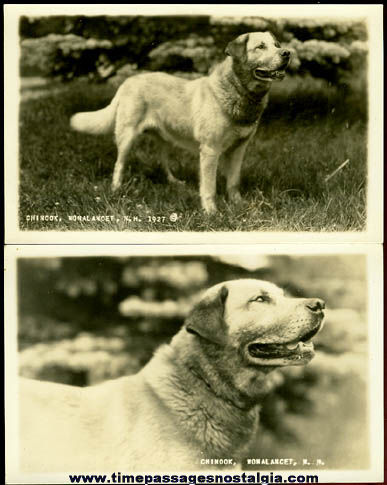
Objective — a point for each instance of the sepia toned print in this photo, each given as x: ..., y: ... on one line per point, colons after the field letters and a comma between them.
x: 200, y: 392
x: 304, y: 170
x: 215, y: 115
x: 193, y: 243
x: 227, y: 320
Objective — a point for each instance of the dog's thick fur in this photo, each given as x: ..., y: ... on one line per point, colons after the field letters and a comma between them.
x: 215, y: 115
x: 196, y: 399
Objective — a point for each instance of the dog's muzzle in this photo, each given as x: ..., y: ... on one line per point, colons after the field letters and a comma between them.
x: 293, y: 350
x: 278, y: 73
x: 263, y: 74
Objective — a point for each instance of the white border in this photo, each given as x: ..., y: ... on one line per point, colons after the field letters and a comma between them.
x: 375, y: 321
x: 372, y: 13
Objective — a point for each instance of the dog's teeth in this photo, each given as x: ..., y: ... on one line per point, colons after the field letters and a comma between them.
x: 292, y: 346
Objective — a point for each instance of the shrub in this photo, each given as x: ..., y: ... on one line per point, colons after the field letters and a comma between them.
x: 199, y: 51
x: 69, y: 46
x: 63, y: 55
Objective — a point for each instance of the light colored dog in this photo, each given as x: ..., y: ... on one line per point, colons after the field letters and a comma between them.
x: 215, y: 115
x: 196, y: 400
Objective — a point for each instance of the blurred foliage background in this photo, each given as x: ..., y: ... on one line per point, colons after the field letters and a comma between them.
x: 106, y: 46
x: 84, y: 320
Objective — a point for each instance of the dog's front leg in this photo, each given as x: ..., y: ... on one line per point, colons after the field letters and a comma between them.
x: 209, y: 158
x: 233, y: 170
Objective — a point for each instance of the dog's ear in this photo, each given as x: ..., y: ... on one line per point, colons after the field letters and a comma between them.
x: 206, y: 317
x: 237, y: 47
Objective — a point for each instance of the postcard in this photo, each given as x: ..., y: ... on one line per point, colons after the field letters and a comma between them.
x: 221, y: 123
x: 196, y: 364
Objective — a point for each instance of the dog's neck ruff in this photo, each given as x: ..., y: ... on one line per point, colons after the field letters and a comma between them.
x: 220, y: 427
x: 247, y: 105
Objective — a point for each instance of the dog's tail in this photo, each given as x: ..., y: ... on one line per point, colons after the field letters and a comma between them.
x: 96, y: 122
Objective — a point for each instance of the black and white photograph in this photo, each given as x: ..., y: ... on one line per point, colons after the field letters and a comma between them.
x: 138, y: 360
x: 211, y: 119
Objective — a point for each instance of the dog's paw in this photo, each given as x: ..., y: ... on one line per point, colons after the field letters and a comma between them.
x: 173, y: 180
x: 209, y: 206
x: 115, y: 186
x: 235, y: 197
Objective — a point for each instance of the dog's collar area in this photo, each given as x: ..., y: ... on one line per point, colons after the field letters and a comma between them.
x: 241, y: 406
x: 254, y: 96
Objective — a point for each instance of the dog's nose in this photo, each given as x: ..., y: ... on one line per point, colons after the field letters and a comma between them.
x: 285, y: 53
x: 315, y: 304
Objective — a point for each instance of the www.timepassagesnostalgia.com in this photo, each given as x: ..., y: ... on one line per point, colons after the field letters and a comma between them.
x: 257, y: 478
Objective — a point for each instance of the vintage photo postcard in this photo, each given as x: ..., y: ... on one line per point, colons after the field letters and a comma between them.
x: 227, y: 123
x: 145, y: 365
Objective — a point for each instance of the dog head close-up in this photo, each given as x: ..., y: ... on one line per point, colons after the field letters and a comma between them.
x: 250, y: 327
x: 259, y: 57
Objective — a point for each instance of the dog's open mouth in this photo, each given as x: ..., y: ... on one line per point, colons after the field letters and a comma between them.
x: 293, y: 350
x: 268, y: 75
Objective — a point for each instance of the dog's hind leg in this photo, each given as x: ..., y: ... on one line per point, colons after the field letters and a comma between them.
x: 171, y: 178
x: 164, y: 163
x: 129, y: 123
x: 123, y: 146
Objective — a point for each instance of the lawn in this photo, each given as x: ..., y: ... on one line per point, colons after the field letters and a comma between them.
x: 308, y: 130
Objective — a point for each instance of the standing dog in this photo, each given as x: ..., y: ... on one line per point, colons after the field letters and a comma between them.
x: 196, y: 400
x: 214, y: 115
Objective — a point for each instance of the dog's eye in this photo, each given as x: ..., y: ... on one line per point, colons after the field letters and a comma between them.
x: 260, y: 299
x: 261, y: 45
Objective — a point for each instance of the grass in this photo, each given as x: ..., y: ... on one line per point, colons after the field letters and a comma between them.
x: 307, y: 131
